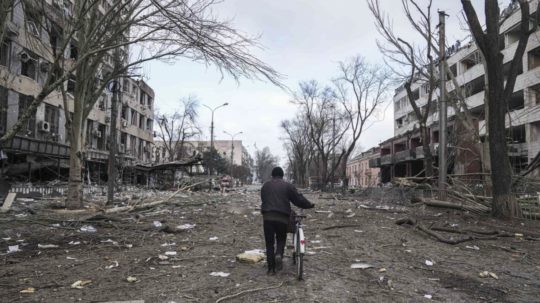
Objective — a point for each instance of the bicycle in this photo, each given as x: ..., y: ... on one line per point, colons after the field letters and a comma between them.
x: 299, y: 245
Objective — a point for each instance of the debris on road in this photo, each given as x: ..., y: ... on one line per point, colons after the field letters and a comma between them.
x: 80, y: 284
x: 220, y: 274
x: 361, y: 266
x: 251, y: 256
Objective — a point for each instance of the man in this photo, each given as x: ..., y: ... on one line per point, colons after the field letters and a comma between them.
x: 276, y: 196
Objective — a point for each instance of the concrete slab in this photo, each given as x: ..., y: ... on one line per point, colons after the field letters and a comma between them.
x: 7, y: 203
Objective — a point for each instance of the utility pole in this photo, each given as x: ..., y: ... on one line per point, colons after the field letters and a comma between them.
x: 442, y: 108
x: 114, y: 87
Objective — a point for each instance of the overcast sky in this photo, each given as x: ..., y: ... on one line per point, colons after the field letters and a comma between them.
x: 303, y: 40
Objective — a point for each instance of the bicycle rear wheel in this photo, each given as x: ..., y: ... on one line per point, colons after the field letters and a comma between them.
x: 299, y: 258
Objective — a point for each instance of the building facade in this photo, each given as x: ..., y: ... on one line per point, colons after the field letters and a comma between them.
x: 402, y: 155
x: 359, y: 172
x: 43, y: 143
x: 226, y: 148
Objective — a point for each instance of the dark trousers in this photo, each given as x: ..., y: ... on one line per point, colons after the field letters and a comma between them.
x: 274, y: 232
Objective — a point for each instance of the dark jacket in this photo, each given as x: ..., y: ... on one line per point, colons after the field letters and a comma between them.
x: 276, y: 194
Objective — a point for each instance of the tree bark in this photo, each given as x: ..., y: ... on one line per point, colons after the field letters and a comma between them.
x: 75, y: 184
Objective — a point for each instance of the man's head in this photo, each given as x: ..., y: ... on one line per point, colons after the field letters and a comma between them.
x: 277, y: 172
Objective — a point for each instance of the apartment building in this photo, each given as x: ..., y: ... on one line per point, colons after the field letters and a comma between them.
x: 402, y: 155
x: 43, y: 144
x: 359, y: 173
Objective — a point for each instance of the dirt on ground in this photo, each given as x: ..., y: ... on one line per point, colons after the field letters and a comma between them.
x: 185, y: 251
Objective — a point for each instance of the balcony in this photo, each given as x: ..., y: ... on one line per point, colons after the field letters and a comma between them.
x: 387, y: 159
x: 376, y: 162
x: 39, y: 147
x: 518, y: 150
x: 405, y: 155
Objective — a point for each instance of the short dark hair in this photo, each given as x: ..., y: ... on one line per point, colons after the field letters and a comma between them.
x: 277, y: 172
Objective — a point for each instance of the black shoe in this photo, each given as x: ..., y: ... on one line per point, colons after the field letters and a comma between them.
x: 279, y: 262
x: 271, y: 271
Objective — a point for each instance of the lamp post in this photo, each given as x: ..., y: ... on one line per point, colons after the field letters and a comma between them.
x: 212, y: 128
x: 232, y: 147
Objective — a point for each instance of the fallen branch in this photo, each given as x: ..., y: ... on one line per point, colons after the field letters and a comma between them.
x: 444, y: 204
x: 248, y: 291
x: 341, y: 226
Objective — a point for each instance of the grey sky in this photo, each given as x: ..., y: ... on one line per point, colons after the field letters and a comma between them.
x: 302, y: 39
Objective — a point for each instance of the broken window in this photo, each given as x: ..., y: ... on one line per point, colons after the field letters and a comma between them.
x: 142, y: 96
x: 29, y: 129
x: 33, y: 21
x: 28, y: 64
x: 4, y: 53
x: 89, y: 132
x: 71, y: 85
x: 133, y: 117
x: 149, y: 124
x: 470, y: 61
x: 73, y: 51
x: 534, y: 58
x: 3, y: 109
x: 141, y: 121
x: 149, y: 102
x: 52, y: 117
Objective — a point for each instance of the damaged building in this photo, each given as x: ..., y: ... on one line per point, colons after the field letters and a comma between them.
x: 403, y: 155
x: 40, y: 151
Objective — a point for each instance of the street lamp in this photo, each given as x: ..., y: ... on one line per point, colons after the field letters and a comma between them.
x: 232, y: 147
x: 212, y: 128
x: 212, y: 122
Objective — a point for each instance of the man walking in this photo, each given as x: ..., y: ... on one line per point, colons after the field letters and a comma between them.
x: 276, y: 196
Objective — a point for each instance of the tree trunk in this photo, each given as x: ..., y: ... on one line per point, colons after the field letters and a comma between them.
x: 428, y: 157
x: 75, y: 184
x: 505, y: 206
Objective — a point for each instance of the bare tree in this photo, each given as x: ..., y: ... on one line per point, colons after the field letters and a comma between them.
x: 362, y: 89
x: 500, y: 87
x: 81, y: 40
x: 417, y: 59
x: 264, y: 163
x: 326, y: 126
x: 176, y: 128
x: 300, y: 149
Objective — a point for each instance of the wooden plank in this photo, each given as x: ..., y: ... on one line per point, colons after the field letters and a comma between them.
x: 7, y: 202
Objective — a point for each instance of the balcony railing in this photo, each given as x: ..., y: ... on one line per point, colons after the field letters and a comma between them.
x: 376, y: 162
x: 387, y: 159
x: 404, y: 155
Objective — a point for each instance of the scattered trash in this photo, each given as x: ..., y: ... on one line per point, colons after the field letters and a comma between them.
x: 348, y: 210
x: 219, y: 274
x: 157, y: 224
x: 168, y: 244
x: 56, y: 225
x: 361, y: 266
x: 163, y: 257
x: 47, y: 246
x: 474, y: 247
x: 88, y: 229
x: 251, y: 256
x: 29, y: 290
x: 80, y: 283
x: 110, y: 241
x: 186, y: 226
x: 311, y: 253
x: 74, y: 242
x: 129, y: 245
x: 429, y: 263
x: 382, y: 270
x: 6, y: 239
x: 71, y: 258
x: 485, y: 274
x: 518, y: 235
x: 131, y: 279
x: 351, y: 215
x: 316, y: 241
x: 428, y: 296
x: 112, y: 265
x: 170, y: 253
x: 358, y: 231
x: 213, y: 238
x: 13, y: 248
